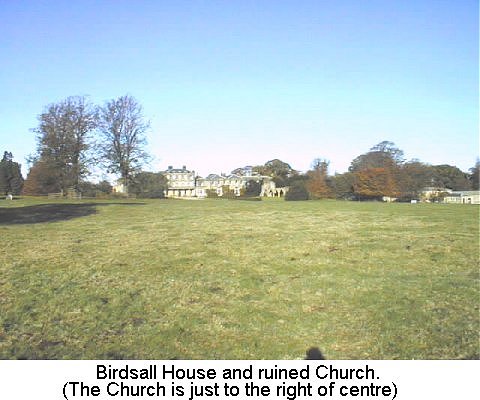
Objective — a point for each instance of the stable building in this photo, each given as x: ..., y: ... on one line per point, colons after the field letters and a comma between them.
x: 463, y: 197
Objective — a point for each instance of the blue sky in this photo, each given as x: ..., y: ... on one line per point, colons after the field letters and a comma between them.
x: 231, y: 83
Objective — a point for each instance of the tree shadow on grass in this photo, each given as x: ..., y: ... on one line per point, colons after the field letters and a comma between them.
x: 51, y: 212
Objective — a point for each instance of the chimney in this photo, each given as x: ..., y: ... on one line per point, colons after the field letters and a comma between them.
x: 170, y: 167
x: 184, y: 167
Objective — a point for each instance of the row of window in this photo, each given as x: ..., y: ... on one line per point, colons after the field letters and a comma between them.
x: 181, y: 177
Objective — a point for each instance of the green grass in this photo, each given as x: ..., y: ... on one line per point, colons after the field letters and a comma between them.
x: 219, y: 279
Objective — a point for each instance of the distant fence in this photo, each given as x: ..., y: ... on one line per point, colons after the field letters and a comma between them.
x: 74, y: 195
x: 71, y: 194
x: 77, y: 195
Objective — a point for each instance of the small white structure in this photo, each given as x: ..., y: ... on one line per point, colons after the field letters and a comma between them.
x: 9, y: 197
x: 388, y: 199
x: 119, y: 187
x: 433, y: 193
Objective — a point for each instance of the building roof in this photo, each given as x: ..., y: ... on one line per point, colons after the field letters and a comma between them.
x: 466, y: 193
x: 213, y: 176
x: 436, y: 189
x: 170, y: 169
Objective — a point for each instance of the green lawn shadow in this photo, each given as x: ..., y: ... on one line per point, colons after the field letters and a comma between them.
x: 51, y: 212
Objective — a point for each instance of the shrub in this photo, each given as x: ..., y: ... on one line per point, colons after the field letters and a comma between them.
x: 212, y: 194
x: 297, y: 192
x: 253, y: 188
x: 154, y: 194
x: 227, y: 193
x: 99, y: 190
x: 148, y: 185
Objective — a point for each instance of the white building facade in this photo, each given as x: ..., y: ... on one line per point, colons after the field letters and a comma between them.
x: 463, y: 197
x: 183, y: 183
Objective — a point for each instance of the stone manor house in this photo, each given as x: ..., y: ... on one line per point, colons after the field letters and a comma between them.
x: 183, y: 183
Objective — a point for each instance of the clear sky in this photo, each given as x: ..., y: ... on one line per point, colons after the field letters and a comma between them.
x: 233, y: 83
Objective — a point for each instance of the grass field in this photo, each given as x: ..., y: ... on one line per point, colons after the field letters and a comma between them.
x: 218, y: 279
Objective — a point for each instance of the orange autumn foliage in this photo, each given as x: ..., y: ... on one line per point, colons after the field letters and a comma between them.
x: 375, y: 183
x: 317, y: 184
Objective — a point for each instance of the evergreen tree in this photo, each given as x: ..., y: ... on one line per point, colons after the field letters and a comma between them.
x: 11, y: 180
x: 297, y: 192
x: 253, y: 188
x: 342, y: 185
x: 280, y: 171
x: 475, y: 175
x: 451, y: 177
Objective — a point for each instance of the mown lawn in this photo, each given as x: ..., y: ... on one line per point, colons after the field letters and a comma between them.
x: 222, y: 279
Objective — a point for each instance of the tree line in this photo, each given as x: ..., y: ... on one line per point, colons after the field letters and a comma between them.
x: 380, y: 172
x: 75, y: 136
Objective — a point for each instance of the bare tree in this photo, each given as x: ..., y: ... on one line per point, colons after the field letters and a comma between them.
x: 123, y: 130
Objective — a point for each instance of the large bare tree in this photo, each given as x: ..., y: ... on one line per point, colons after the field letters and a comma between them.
x: 123, y: 128
x: 64, y: 138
